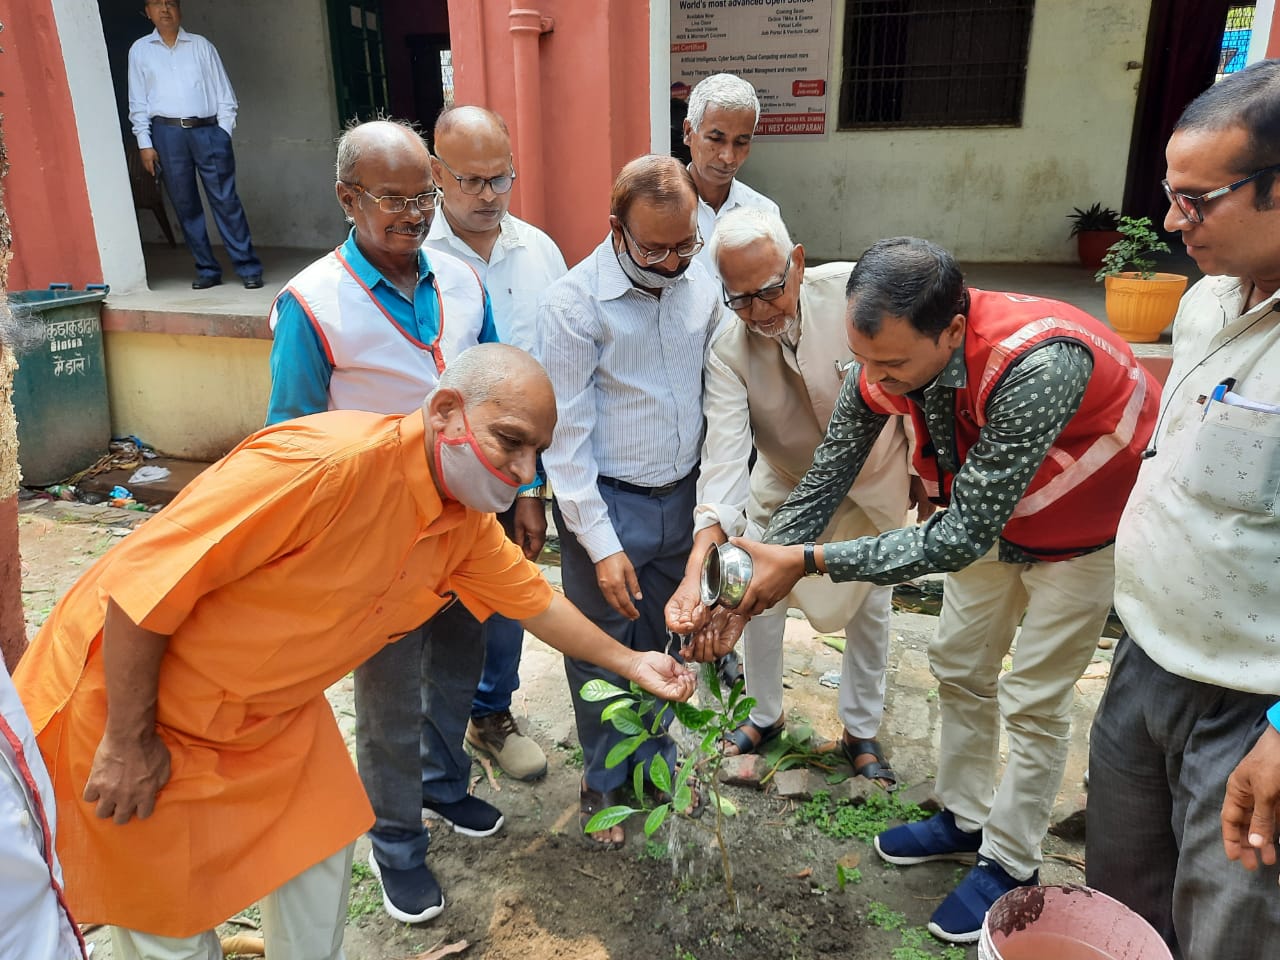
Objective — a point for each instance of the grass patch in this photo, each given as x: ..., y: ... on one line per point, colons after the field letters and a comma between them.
x: 366, y: 893
x: 914, y: 943
x: 844, y: 818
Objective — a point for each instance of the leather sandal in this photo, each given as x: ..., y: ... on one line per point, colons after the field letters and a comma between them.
x: 740, y: 739
x: 877, y: 769
x: 591, y: 802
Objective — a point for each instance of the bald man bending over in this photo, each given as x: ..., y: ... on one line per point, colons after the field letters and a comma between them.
x: 177, y: 691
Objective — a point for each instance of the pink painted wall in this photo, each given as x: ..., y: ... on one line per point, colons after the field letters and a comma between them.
x: 53, y: 238
x: 595, y: 100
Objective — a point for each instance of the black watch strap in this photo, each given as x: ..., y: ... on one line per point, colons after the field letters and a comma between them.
x: 810, y: 561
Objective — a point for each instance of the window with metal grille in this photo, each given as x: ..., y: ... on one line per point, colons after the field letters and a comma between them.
x: 934, y: 63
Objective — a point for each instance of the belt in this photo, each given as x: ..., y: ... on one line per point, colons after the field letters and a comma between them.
x: 625, y: 487
x: 186, y: 123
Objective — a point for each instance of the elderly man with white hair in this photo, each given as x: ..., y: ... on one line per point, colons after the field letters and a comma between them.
x: 774, y: 377
x: 718, y: 129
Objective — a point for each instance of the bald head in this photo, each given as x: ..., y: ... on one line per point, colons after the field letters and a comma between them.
x: 472, y: 164
x: 472, y: 123
x: 380, y: 141
x: 653, y: 179
x: 495, y: 373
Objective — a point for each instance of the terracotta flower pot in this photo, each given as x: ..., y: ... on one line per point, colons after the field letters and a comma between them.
x: 1140, y: 309
x: 1092, y: 245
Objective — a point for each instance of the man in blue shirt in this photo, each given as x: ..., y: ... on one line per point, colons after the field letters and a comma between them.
x: 371, y: 326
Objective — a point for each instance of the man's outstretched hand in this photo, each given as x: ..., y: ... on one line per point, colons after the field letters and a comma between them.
x: 664, y: 676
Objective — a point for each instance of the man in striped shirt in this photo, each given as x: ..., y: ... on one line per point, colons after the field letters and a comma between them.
x: 623, y: 337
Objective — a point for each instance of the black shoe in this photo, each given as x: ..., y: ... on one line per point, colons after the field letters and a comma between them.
x: 204, y: 283
x: 411, y: 896
x: 470, y: 815
x: 253, y: 283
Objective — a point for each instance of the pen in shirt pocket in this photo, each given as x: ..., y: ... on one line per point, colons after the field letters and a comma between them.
x: 1218, y: 393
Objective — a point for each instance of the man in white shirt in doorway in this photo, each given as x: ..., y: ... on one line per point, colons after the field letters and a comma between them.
x: 183, y: 111
x: 473, y: 169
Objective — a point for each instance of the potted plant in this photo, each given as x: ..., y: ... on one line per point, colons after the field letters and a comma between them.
x: 1140, y: 302
x: 1095, y: 229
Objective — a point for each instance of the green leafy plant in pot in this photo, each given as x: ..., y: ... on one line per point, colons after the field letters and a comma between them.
x: 1140, y: 302
x: 1095, y: 229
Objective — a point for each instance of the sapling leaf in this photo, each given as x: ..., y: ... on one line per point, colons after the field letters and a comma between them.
x: 595, y: 690
x: 616, y: 705
x: 655, y: 819
x: 624, y: 719
x: 742, y: 711
x: 608, y: 818
x: 637, y: 784
x: 709, y: 741
x: 623, y: 749
x: 682, y: 797
x: 683, y: 774
x: 660, y: 773
x: 690, y: 717
x: 713, y: 680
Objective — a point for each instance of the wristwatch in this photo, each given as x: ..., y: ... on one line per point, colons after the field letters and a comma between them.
x: 810, y: 561
x: 540, y: 491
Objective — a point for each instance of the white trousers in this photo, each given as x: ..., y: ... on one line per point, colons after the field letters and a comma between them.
x: 302, y: 919
x: 1063, y: 607
x: 866, y: 654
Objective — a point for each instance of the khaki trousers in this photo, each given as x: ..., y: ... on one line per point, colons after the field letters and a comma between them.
x: 303, y: 919
x: 1063, y: 607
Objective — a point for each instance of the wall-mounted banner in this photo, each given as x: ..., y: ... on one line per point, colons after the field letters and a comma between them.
x: 782, y: 47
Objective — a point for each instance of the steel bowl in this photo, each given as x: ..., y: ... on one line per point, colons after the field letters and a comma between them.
x: 726, y: 574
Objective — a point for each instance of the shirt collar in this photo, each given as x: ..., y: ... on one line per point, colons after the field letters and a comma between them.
x: 369, y: 274
x: 954, y: 374
x: 611, y: 282
x: 183, y: 36
x: 442, y: 229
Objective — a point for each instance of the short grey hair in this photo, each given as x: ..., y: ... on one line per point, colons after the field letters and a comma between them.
x: 744, y: 226
x: 724, y: 90
x: 351, y: 149
x: 481, y: 372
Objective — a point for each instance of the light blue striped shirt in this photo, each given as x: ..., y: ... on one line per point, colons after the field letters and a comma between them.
x: 627, y: 371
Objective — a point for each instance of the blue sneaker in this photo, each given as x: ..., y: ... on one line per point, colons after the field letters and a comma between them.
x: 410, y: 896
x: 470, y: 815
x: 937, y: 838
x: 959, y: 918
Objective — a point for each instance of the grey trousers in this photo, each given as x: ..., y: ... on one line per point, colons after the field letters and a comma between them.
x: 657, y: 535
x: 413, y: 700
x: 1162, y: 748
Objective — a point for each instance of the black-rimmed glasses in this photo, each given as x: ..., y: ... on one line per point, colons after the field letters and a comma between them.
x: 741, y: 301
x: 651, y: 257
x: 474, y: 186
x: 1192, y: 208
x: 426, y: 202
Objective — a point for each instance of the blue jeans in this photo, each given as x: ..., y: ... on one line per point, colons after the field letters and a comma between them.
x: 657, y: 534
x: 413, y: 698
x: 207, y: 151
x: 503, y: 642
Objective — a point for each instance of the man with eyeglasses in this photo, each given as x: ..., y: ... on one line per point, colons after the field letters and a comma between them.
x: 1193, y: 688
x: 183, y: 112
x: 517, y: 261
x: 772, y: 379
x: 1030, y: 418
x: 371, y: 326
x: 623, y: 336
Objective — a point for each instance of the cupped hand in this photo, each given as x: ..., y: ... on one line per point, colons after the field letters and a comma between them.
x: 664, y: 676
x: 685, y: 612
x: 717, y: 637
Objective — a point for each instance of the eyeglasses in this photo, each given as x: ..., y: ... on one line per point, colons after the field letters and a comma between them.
x: 649, y: 256
x: 741, y: 301
x: 474, y: 186
x: 426, y: 202
x: 1192, y: 208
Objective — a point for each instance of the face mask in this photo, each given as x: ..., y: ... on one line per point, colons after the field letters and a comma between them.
x: 467, y: 476
x: 651, y: 279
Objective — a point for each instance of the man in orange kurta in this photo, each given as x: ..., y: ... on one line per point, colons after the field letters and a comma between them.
x: 294, y: 558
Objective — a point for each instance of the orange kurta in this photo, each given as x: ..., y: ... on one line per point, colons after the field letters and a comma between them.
x: 282, y: 567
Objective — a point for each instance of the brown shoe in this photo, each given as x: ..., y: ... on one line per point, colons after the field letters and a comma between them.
x: 498, y: 737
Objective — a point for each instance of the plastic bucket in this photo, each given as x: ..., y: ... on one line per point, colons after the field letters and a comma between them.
x: 1066, y: 923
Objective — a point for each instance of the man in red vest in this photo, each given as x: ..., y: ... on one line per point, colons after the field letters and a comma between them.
x: 1030, y: 419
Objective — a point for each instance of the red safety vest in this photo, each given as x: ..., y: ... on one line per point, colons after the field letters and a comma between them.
x: 1075, y: 499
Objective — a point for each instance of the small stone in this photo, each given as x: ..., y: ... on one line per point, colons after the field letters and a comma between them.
x: 855, y: 790
x: 744, y: 770
x: 850, y: 860
x: 921, y: 794
x: 1105, y: 643
x: 1068, y: 820
x: 794, y: 784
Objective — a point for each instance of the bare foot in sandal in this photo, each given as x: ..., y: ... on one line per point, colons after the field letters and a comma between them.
x: 591, y: 802
x: 749, y: 738
x: 867, y: 758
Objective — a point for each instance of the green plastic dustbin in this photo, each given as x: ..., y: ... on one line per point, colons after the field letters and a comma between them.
x: 60, y: 388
